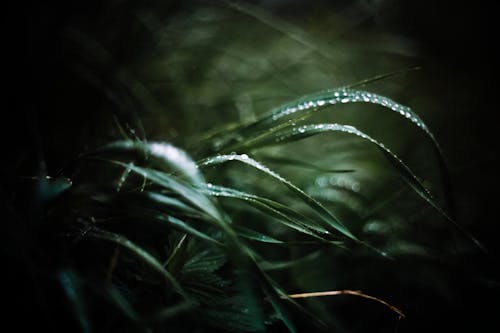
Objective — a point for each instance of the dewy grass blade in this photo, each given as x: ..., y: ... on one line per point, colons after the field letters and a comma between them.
x: 186, y: 191
x: 256, y: 236
x: 304, y: 131
x: 291, y: 162
x: 286, y: 215
x: 326, y: 216
x: 300, y: 109
x: 161, y: 154
x: 319, y: 101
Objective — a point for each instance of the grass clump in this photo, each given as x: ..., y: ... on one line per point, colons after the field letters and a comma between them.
x: 232, y: 218
x: 150, y: 238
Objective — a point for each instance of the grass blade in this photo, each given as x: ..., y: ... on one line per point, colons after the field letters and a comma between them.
x: 286, y: 215
x: 304, y: 131
x: 256, y: 236
x: 326, y: 216
x: 140, y: 253
x: 72, y: 288
x: 159, y: 154
x: 285, y: 116
x: 186, y: 191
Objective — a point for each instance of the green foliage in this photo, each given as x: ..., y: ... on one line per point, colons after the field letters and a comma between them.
x: 176, y: 248
x: 205, y: 229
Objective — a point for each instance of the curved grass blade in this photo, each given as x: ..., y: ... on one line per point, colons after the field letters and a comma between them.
x: 164, y: 203
x: 275, y: 290
x: 302, y: 164
x: 161, y: 154
x: 326, y: 216
x: 302, y: 108
x: 147, y: 199
x: 157, y: 208
x: 307, y: 105
x: 140, y: 253
x: 166, y: 313
x: 304, y: 131
x: 349, y: 292
x: 278, y: 265
x: 122, y: 303
x: 286, y: 215
x: 184, y: 190
x: 171, y: 221
x: 71, y: 285
x: 315, y: 102
x: 273, y: 298
x: 382, y: 77
x: 256, y: 236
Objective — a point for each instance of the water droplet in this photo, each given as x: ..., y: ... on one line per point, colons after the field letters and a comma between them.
x: 355, y: 187
x: 345, y: 100
x: 244, y: 156
x: 124, y: 177
x: 321, y: 181
x: 321, y: 102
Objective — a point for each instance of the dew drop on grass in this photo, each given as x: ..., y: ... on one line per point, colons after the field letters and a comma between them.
x: 321, y: 181
x: 124, y: 177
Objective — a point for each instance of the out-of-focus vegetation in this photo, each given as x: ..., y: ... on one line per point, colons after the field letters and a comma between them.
x: 186, y: 166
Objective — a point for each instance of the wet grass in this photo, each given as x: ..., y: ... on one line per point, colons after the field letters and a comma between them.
x: 225, y: 194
